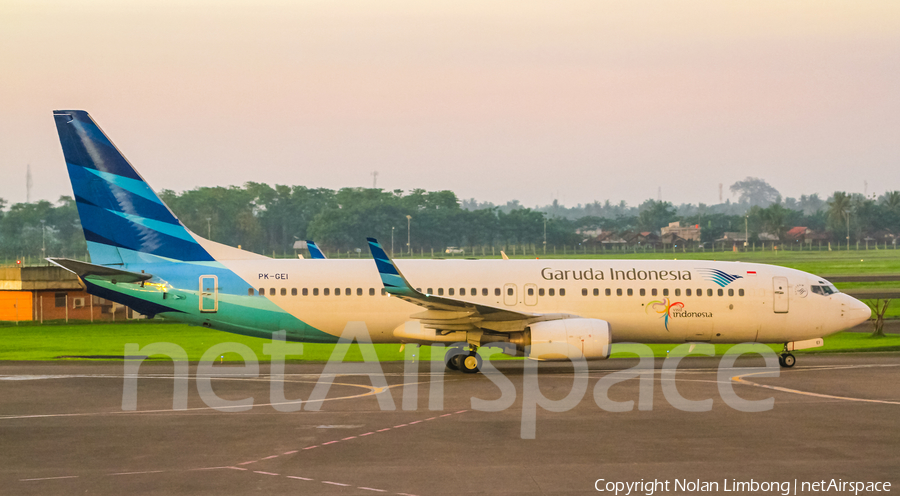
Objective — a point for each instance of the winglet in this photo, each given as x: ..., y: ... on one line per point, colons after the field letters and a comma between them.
x: 393, y: 280
x: 314, y: 251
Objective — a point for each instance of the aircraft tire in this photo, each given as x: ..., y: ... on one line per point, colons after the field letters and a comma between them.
x: 781, y: 360
x: 453, y: 357
x: 788, y: 360
x: 470, y: 363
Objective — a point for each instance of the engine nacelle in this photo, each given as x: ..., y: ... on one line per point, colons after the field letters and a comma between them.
x: 570, y: 338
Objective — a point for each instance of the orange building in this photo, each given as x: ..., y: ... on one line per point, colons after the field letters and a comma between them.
x: 52, y: 293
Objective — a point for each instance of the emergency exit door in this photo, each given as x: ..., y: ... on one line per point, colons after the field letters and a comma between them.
x: 780, y: 292
x: 209, y: 294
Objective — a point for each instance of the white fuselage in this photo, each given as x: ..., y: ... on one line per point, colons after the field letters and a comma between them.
x: 648, y: 301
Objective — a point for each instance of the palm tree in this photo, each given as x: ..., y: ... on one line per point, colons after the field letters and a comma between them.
x: 891, y: 199
x: 839, y: 207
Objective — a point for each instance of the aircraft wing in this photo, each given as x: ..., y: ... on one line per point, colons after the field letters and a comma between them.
x: 447, y: 313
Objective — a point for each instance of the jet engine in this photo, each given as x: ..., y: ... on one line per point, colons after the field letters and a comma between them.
x: 566, y: 339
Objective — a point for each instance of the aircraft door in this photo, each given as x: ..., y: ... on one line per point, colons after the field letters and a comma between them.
x: 509, y: 294
x: 531, y: 294
x: 780, y: 291
x: 209, y: 294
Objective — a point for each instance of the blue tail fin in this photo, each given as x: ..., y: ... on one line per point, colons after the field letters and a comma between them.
x: 124, y: 221
x: 314, y: 250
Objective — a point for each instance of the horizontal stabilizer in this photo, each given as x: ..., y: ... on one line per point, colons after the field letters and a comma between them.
x: 84, y: 269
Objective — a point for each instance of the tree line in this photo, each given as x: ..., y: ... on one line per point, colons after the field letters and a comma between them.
x: 268, y: 220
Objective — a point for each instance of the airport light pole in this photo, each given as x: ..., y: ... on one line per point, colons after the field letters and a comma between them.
x: 208, y: 228
x: 847, y: 215
x: 43, y: 241
x: 545, y: 236
x: 392, y: 241
x: 746, y: 232
x: 408, y: 237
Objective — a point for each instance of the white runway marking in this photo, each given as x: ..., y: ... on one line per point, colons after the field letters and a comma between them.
x: 740, y: 380
x: 136, y: 473
x: 50, y: 478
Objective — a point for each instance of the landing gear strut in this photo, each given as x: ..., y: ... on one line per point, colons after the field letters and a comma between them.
x: 786, y: 359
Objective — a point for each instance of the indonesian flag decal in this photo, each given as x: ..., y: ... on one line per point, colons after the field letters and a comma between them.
x: 751, y: 272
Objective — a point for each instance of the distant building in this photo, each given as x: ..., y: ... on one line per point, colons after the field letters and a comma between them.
x: 687, y: 233
x: 52, y: 293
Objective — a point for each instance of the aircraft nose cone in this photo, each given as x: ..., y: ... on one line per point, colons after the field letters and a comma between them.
x: 856, y: 312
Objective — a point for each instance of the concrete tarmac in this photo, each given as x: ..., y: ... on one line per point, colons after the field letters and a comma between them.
x: 63, y: 430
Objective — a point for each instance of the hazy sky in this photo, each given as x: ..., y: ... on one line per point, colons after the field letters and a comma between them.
x: 576, y: 100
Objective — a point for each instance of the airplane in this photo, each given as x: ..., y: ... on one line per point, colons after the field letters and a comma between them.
x: 142, y: 256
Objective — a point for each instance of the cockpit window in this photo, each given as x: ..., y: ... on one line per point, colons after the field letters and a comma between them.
x: 825, y: 289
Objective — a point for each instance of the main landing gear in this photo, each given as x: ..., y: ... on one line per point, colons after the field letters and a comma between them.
x: 786, y: 359
x: 467, y: 361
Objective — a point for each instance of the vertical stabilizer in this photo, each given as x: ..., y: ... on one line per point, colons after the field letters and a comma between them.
x: 123, y: 219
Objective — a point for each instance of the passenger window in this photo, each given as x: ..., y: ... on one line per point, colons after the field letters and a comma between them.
x: 551, y: 292
x: 630, y: 292
x: 653, y: 292
x: 740, y: 292
x: 678, y: 292
x: 583, y: 291
x: 305, y: 292
x: 484, y: 292
x: 430, y: 291
x: 348, y: 292
x: 619, y: 292
x: 450, y: 292
x: 474, y: 292
x: 337, y: 291
x: 730, y: 292
x: 325, y: 292
x: 509, y: 291
x: 462, y: 291
x: 271, y: 291
x: 643, y: 292
x: 440, y: 291
x: 709, y: 292
x: 699, y: 292
x: 315, y: 291
x: 283, y: 291
x: 383, y: 292
x: 358, y: 291
x: 666, y: 292
x: 541, y: 292
x: 562, y: 291
x: 608, y: 292
x: 371, y: 291
x: 262, y: 291
x: 293, y: 291
x: 687, y: 292
x: 496, y: 291
x: 720, y: 292
x: 250, y: 292
x: 596, y: 292
x: 530, y: 291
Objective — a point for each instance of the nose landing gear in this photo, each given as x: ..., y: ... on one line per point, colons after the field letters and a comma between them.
x: 786, y: 359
